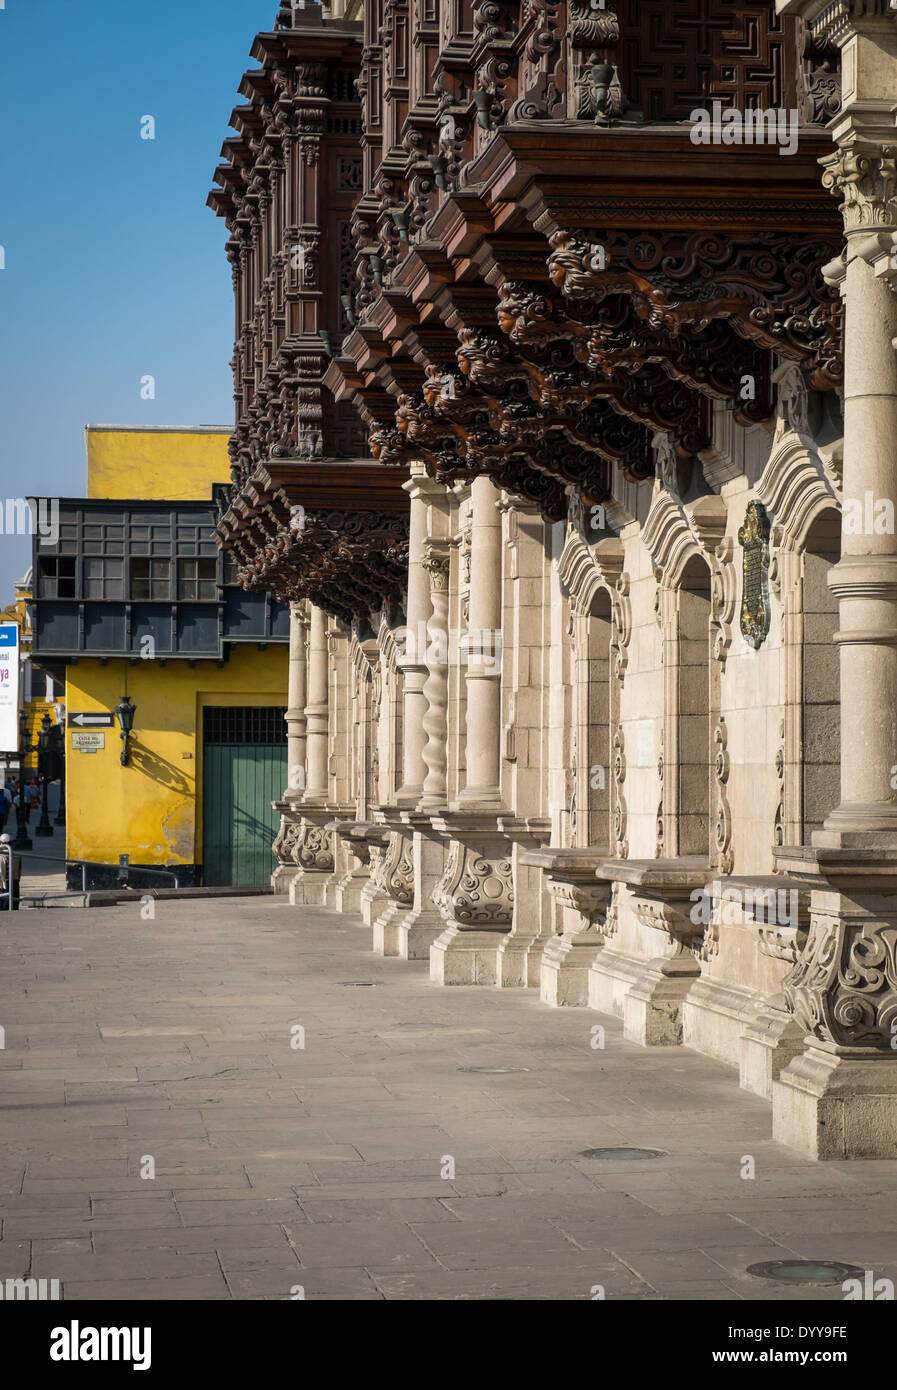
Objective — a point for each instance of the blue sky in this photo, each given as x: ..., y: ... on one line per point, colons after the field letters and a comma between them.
x: 114, y: 266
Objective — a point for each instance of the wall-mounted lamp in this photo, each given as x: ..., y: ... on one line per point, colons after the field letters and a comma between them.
x: 348, y: 309
x: 602, y: 76
x: 400, y: 222
x: 437, y: 164
x: 376, y: 269
x: 483, y: 102
x: 125, y: 712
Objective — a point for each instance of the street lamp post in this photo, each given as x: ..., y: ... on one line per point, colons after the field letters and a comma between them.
x: 43, y: 771
x: 23, y: 839
x: 57, y: 736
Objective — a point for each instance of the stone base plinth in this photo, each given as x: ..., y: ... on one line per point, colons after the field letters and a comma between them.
x: 350, y: 888
x: 829, y: 1105
x: 373, y: 901
x: 611, y: 976
x: 769, y: 1043
x: 519, y: 962
x: 309, y: 889
x: 652, y: 1009
x: 386, y: 928
x: 564, y: 969
x: 282, y: 877
x: 416, y: 932
x: 714, y: 1016
x: 463, y: 956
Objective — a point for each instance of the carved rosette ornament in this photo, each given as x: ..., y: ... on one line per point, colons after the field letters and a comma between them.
x: 475, y: 891
x: 843, y: 989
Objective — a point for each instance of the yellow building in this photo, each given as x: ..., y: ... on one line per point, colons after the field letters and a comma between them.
x: 133, y: 602
x: 39, y: 692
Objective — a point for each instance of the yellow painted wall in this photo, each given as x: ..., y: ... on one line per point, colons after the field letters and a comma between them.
x: 152, y: 809
x: 174, y: 465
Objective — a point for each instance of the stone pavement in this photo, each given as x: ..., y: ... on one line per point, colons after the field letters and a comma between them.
x: 372, y: 1163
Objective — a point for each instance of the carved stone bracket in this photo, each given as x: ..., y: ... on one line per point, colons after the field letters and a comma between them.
x: 476, y: 889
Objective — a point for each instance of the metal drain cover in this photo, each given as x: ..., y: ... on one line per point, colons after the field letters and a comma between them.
x: 623, y: 1155
x: 356, y: 984
x: 805, y: 1271
x: 493, y: 1071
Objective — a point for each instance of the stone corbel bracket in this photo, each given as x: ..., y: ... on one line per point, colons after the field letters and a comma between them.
x: 571, y: 878
x: 777, y: 904
x: 661, y: 897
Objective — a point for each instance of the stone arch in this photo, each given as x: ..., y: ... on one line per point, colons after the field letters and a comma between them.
x: 593, y: 581
x: 801, y: 497
x: 695, y: 606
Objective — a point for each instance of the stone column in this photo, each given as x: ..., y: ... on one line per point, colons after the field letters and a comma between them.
x: 316, y: 711
x: 412, y: 861
x: 839, y: 1098
x: 313, y: 852
x: 413, y: 661
x: 865, y: 579
x: 435, y: 690
x: 297, y: 696
x: 484, y: 651
x: 290, y: 815
x: 475, y: 895
x: 415, y: 932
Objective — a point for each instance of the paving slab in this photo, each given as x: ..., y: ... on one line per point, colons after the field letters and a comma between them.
x: 373, y: 1163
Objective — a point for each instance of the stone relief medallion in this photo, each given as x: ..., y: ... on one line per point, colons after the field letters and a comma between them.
x: 754, y: 540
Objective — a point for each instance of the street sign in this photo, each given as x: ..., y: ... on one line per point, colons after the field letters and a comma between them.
x: 88, y: 741
x: 95, y: 719
x: 9, y: 687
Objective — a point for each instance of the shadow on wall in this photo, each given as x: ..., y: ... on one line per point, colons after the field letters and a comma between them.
x: 160, y: 770
x: 251, y: 828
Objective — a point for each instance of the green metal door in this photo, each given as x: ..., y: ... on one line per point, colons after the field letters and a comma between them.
x: 244, y: 770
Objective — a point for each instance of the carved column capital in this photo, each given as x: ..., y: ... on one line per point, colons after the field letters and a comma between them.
x: 863, y: 175
x: 436, y: 562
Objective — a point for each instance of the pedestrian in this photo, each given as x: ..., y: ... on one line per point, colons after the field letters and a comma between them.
x: 5, y: 842
x: 31, y: 799
x: 5, y: 803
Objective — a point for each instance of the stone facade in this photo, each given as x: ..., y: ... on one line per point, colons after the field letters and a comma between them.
x: 627, y: 736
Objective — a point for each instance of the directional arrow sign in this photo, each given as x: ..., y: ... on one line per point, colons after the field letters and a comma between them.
x: 91, y: 721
